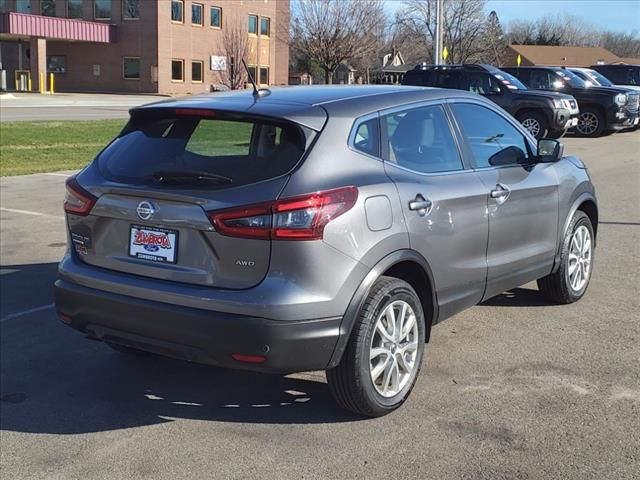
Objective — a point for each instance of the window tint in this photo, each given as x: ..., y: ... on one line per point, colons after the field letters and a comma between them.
x: 541, y: 80
x: 366, y: 138
x: 481, y: 83
x: 161, y: 142
x: 492, y: 139
x: 446, y: 79
x: 421, y: 140
x: 419, y: 78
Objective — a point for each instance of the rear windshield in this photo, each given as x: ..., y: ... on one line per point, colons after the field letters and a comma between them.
x: 183, y: 149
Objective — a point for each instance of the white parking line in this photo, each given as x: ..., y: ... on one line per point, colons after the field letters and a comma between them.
x: 27, y: 312
x: 28, y: 212
x: 52, y: 174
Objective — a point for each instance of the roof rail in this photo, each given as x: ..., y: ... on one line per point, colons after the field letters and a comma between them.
x: 454, y: 66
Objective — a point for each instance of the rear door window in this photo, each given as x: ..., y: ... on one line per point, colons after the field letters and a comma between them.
x: 421, y: 140
x: 160, y: 147
x: 366, y: 138
x: 446, y: 79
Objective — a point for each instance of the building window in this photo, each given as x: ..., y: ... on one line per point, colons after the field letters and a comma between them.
x: 131, y: 9
x: 177, y: 11
x: 102, y: 10
x: 264, y: 75
x: 253, y: 24
x: 74, y: 8
x: 56, y: 64
x: 197, y: 13
x: 216, y: 17
x: 131, y: 68
x: 177, y: 70
x: 253, y: 71
x: 48, y: 8
x: 23, y: 6
x: 265, y: 26
x: 197, y: 71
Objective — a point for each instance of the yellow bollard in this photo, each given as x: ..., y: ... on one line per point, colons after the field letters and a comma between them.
x: 41, y: 80
x: 29, y: 83
x: 51, y: 83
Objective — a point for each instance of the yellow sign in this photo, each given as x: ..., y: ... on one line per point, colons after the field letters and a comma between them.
x: 519, y: 60
x: 445, y: 53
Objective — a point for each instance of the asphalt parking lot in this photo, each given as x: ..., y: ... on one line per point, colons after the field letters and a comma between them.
x: 511, y: 389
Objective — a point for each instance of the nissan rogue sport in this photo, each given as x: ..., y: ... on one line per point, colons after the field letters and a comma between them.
x: 318, y: 228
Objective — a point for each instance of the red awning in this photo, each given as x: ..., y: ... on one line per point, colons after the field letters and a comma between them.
x: 21, y: 24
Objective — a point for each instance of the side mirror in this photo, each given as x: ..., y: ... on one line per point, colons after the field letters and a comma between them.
x: 549, y: 150
x: 495, y: 90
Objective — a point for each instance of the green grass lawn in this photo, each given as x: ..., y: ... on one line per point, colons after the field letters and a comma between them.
x: 33, y: 147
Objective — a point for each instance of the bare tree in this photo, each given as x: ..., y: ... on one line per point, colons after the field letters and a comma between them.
x: 330, y: 32
x: 464, y: 26
x: 235, y: 46
x: 495, y: 40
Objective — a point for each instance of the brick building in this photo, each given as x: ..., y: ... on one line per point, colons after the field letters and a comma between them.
x: 153, y: 46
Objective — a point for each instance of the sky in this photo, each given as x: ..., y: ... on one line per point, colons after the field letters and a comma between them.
x: 618, y: 15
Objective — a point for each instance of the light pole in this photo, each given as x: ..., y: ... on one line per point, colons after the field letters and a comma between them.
x: 437, y: 37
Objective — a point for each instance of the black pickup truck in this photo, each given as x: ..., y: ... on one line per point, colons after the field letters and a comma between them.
x: 544, y: 114
x: 601, y: 109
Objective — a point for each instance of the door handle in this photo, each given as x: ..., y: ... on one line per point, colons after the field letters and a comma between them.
x: 500, y: 193
x: 420, y: 204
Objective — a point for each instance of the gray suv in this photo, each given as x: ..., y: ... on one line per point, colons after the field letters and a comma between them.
x: 318, y: 228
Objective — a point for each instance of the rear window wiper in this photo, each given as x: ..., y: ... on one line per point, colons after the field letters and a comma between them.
x: 188, y: 176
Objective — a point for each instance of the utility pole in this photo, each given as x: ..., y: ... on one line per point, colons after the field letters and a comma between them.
x: 438, y: 35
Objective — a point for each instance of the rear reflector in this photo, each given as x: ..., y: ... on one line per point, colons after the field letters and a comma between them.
x: 65, y: 318
x: 297, y: 218
x: 77, y: 200
x: 248, y: 358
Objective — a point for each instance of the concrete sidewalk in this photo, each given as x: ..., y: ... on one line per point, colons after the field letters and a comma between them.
x: 69, y: 106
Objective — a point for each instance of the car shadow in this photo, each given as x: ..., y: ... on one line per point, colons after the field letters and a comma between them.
x: 52, y: 380
x: 518, y: 297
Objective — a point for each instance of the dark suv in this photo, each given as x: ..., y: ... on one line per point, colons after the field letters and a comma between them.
x: 544, y: 114
x: 628, y: 75
x: 601, y: 109
x: 318, y: 228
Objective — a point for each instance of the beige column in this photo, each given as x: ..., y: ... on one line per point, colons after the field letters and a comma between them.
x: 38, y: 59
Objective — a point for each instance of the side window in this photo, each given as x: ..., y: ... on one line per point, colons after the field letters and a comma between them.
x: 366, y: 138
x: 493, y: 140
x: 481, y: 83
x: 446, y: 79
x: 421, y: 140
x: 540, y: 80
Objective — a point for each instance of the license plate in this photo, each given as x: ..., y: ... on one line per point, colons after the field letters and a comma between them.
x: 153, y: 244
x: 574, y: 122
x: 636, y: 121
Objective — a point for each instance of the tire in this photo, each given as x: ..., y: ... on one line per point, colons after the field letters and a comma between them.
x: 535, y: 122
x: 128, y: 350
x: 590, y: 122
x: 555, y: 134
x: 352, y: 383
x: 559, y: 286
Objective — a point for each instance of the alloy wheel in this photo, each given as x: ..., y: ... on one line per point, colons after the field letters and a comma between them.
x: 579, y: 267
x: 532, y: 125
x: 394, y: 348
x: 587, y: 123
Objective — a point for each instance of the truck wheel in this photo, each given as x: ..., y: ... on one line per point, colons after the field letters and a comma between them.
x: 383, y: 357
x: 590, y: 122
x: 569, y: 283
x: 535, y: 122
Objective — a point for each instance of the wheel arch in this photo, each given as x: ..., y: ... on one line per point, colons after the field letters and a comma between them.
x: 407, y: 265
x: 586, y: 203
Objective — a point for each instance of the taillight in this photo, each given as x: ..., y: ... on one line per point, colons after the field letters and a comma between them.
x: 77, y: 200
x: 297, y: 218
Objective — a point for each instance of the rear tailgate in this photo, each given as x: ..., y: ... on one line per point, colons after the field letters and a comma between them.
x: 151, y: 213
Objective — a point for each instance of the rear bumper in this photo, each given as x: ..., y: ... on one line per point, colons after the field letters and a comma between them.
x: 197, y: 335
